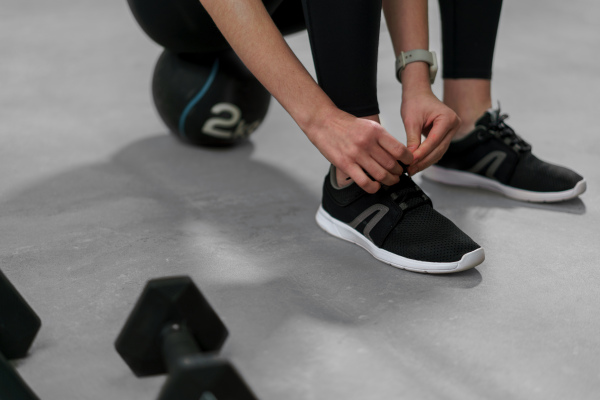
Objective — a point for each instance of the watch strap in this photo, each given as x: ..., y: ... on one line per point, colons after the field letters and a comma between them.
x: 407, y: 57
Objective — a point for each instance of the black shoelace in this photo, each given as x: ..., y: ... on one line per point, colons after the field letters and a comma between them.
x: 407, y: 194
x: 504, y: 132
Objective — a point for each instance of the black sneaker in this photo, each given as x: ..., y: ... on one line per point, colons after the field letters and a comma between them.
x: 494, y: 157
x: 398, y: 226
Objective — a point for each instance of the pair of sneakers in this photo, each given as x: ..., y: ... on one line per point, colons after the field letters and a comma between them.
x: 399, y: 226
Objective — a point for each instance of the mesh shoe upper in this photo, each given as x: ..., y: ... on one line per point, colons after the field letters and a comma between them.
x: 494, y: 150
x: 399, y: 219
x: 533, y: 174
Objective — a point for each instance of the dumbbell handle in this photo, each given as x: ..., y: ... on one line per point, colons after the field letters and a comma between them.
x: 193, y: 375
x: 12, y: 386
x: 178, y: 343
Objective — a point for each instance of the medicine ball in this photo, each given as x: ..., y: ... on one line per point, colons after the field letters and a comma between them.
x: 208, y: 99
x: 184, y: 26
x: 178, y: 25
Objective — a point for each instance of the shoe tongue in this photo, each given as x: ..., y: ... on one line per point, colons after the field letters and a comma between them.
x: 407, y: 193
x: 490, y: 117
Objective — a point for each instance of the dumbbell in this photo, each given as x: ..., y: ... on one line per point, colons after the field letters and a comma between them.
x: 19, y: 325
x: 172, y: 329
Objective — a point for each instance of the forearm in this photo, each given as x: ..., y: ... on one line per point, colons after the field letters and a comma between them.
x: 254, y: 37
x: 409, y: 30
x: 357, y: 146
x: 422, y: 113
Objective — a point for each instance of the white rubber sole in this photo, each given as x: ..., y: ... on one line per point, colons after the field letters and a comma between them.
x: 468, y: 179
x: 345, y: 232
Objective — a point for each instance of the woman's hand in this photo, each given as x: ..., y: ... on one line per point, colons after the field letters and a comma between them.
x: 359, y: 148
x: 424, y: 114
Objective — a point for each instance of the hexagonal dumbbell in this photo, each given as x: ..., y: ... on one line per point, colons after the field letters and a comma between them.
x: 173, y: 329
x: 19, y: 325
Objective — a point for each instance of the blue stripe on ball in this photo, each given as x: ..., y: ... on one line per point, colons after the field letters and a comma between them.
x: 198, y: 97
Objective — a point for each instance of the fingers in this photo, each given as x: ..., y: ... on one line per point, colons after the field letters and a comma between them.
x: 413, y: 136
x: 436, y: 143
x: 433, y: 148
x: 387, y: 161
x: 376, y: 157
x: 395, y: 149
x: 384, y: 166
x: 428, y: 161
x: 380, y: 174
x: 361, y: 179
x: 369, y: 175
x: 424, y: 114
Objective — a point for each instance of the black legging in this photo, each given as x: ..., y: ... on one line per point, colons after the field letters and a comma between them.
x: 344, y: 36
x: 468, y: 37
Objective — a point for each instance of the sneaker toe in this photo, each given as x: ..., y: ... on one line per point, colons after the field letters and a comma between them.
x: 536, y: 175
x: 426, y: 235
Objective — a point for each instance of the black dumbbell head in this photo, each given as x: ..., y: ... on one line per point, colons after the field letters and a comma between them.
x: 163, y: 303
x: 18, y: 322
x: 12, y: 385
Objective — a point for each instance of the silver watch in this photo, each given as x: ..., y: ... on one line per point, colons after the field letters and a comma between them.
x: 427, y: 56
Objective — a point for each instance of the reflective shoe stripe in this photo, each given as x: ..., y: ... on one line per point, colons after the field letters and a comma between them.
x: 381, y: 211
x: 495, y: 158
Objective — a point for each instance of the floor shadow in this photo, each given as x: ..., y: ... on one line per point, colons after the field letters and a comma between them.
x: 243, y: 230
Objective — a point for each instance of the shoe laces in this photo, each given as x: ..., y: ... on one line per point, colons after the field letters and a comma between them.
x: 504, y: 132
x: 407, y: 194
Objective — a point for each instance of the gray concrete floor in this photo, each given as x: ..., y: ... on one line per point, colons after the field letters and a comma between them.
x: 96, y: 198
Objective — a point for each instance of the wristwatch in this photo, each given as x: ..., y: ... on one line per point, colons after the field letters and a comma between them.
x: 408, y: 57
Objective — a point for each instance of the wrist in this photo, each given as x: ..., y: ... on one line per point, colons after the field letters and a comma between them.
x: 313, y: 117
x: 415, y: 78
